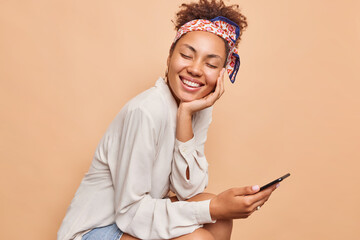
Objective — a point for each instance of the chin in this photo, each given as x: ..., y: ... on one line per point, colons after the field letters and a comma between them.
x: 186, y: 98
x: 189, y: 98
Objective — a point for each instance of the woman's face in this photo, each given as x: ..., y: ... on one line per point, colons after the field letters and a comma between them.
x: 195, y: 64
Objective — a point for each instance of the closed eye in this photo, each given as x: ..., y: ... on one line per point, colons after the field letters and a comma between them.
x: 211, y: 66
x: 185, y: 56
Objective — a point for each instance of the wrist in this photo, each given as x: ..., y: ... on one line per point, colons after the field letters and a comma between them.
x: 184, y: 113
x: 184, y: 130
x: 214, y: 209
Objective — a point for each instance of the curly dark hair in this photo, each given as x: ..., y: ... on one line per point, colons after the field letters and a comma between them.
x: 209, y: 9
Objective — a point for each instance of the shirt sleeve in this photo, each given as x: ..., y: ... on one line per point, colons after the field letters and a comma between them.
x: 137, y: 213
x: 191, y: 155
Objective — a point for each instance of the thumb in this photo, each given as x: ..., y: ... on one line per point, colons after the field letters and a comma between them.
x: 247, y: 190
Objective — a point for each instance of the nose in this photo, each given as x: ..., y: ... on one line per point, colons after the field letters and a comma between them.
x: 195, y: 68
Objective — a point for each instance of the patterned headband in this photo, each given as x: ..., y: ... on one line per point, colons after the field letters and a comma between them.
x: 225, y: 29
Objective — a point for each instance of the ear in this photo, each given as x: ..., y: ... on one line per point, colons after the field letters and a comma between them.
x: 168, y: 61
x: 167, y: 67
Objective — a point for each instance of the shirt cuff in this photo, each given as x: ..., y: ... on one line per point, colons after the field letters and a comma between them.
x: 203, y: 212
x: 186, y: 148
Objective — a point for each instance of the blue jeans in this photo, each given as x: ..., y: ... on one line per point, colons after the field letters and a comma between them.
x: 110, y: 232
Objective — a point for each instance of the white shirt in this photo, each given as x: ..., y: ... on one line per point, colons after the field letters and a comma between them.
x: 135, y: 164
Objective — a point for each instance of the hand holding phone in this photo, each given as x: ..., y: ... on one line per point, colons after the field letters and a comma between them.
x: 275, y: 181
x: 241, y: 202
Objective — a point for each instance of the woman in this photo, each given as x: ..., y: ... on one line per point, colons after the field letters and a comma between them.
x: 156, y: 144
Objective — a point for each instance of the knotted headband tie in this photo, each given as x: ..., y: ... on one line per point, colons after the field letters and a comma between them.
x: 222, y: 27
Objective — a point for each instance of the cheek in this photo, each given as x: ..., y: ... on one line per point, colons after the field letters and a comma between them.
x: 176, y: 65
x: 212, y: 78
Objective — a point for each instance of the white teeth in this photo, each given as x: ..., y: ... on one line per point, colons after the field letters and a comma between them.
x: 191, y: 84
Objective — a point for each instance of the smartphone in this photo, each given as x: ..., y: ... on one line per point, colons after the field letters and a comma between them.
x: 275, y: 181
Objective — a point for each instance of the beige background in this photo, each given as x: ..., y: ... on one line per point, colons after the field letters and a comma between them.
x: 67, y: 68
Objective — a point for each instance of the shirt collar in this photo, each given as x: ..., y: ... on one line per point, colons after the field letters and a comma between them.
x: 169, y: 98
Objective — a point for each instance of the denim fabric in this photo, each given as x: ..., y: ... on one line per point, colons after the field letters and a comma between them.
x: 110, y: 232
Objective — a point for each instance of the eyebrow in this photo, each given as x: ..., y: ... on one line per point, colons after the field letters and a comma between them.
x: 208, y: 56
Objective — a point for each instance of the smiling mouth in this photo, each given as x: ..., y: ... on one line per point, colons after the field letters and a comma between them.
x: 190, y: 83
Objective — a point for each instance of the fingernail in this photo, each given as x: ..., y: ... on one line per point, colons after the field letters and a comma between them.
x: 255, y: 188
x: 277, y: 185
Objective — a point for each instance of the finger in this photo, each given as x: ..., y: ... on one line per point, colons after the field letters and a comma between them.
x: 244, y: 191
x: 219, y: 87
x: 223, y: 81
x: 221, y: 75
x: 258, y: 204
x: 220, y: 84
x: 262, y: 195
x: 261, y: 201
x: 214, y: 96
